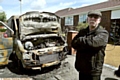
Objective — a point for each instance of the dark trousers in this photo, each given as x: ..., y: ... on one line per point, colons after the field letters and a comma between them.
x: 88, y: 77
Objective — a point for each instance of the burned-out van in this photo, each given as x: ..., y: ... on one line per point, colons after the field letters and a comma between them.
x: 37, y: 40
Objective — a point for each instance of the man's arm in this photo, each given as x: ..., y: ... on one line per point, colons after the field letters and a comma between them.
x: 94, y: 42
x: 74, y: 43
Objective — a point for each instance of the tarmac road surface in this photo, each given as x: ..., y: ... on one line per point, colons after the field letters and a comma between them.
x: 107, y: 73
x: 65, y: 71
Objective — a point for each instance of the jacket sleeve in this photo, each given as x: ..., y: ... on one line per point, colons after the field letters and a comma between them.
x: 94, y: 42
x: 73, y: 43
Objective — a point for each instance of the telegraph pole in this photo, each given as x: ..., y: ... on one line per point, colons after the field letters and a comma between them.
x: 20, y: 6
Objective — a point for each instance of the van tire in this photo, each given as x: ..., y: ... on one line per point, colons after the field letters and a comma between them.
x: 17, y: 63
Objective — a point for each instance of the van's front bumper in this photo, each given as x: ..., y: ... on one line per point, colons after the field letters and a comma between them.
x: 43, y: 61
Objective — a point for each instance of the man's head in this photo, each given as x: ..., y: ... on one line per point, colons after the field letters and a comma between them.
x: 94, y: 18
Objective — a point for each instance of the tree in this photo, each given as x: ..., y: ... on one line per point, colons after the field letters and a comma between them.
x: 2, y: 16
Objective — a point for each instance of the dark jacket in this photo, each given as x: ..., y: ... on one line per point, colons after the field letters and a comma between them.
x: 90, y: 47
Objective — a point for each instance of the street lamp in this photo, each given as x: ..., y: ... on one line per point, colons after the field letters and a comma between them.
x: 20, y: 6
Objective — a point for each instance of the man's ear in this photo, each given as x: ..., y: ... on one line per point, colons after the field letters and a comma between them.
x: 99, y: 20
x: 87, y: 20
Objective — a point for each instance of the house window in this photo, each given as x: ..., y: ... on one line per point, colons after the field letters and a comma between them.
x: 69, y: 20
x: 82, y: 18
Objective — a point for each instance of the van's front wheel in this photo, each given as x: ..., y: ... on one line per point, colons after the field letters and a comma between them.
x: 17, y: 63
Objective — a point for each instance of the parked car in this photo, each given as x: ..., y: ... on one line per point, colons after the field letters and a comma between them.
x: 5, y: 43
x: 37, y: 40
x: 115, y: 38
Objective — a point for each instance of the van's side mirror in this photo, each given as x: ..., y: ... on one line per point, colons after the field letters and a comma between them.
x: 4, y: 27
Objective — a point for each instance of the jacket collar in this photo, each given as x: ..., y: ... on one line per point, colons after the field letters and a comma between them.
x: 90, y: 32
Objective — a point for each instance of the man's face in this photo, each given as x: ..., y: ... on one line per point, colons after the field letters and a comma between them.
x: 93, y: 20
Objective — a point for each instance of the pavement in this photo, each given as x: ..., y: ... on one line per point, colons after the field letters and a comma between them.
x: 66, y: 71
x: 107, y: 73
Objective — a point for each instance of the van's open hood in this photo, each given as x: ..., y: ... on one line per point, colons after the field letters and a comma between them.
x: 34, y: 27
x: 39, y: 22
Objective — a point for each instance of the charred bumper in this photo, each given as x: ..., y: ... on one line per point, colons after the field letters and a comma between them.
x: 44, y: 60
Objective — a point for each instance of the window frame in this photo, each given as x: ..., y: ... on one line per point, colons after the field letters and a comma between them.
x: 82, y: 18
x: 69, y: 20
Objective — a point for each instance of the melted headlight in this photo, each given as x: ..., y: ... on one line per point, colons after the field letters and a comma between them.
x: 28, y: 45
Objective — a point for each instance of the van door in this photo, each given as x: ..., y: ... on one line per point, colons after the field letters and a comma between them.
x: 6, y: 43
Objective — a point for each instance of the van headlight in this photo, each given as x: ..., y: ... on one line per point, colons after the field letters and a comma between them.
x: 28, y: 45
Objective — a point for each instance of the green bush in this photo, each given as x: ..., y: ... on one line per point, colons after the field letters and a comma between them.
x: 81, y: 26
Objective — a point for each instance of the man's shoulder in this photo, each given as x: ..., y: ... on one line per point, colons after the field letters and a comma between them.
x: 102, y: 29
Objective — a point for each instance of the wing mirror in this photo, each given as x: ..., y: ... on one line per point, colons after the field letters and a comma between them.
x: 4, y: 27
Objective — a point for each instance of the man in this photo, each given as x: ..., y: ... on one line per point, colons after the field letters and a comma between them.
x: 90, y: 44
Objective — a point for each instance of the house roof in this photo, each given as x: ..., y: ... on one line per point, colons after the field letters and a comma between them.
x: 108, y: 5
x: 63, y: 11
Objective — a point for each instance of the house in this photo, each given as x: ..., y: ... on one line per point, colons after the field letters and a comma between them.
x: 110, y: 15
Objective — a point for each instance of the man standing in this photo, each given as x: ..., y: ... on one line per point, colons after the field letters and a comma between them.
x: 90, y: 44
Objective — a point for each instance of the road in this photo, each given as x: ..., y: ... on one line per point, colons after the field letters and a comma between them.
x: 65, y: 71
x: 107, y: 73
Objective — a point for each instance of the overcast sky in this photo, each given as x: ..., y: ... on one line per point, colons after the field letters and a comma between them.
x: 12, y: 7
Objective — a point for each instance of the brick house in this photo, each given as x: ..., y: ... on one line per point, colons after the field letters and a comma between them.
x: 110, y: 10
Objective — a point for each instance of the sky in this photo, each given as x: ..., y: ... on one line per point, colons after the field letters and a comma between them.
x: 18, y: 7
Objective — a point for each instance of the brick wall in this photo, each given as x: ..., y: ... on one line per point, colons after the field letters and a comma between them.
x: 106, y: 20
